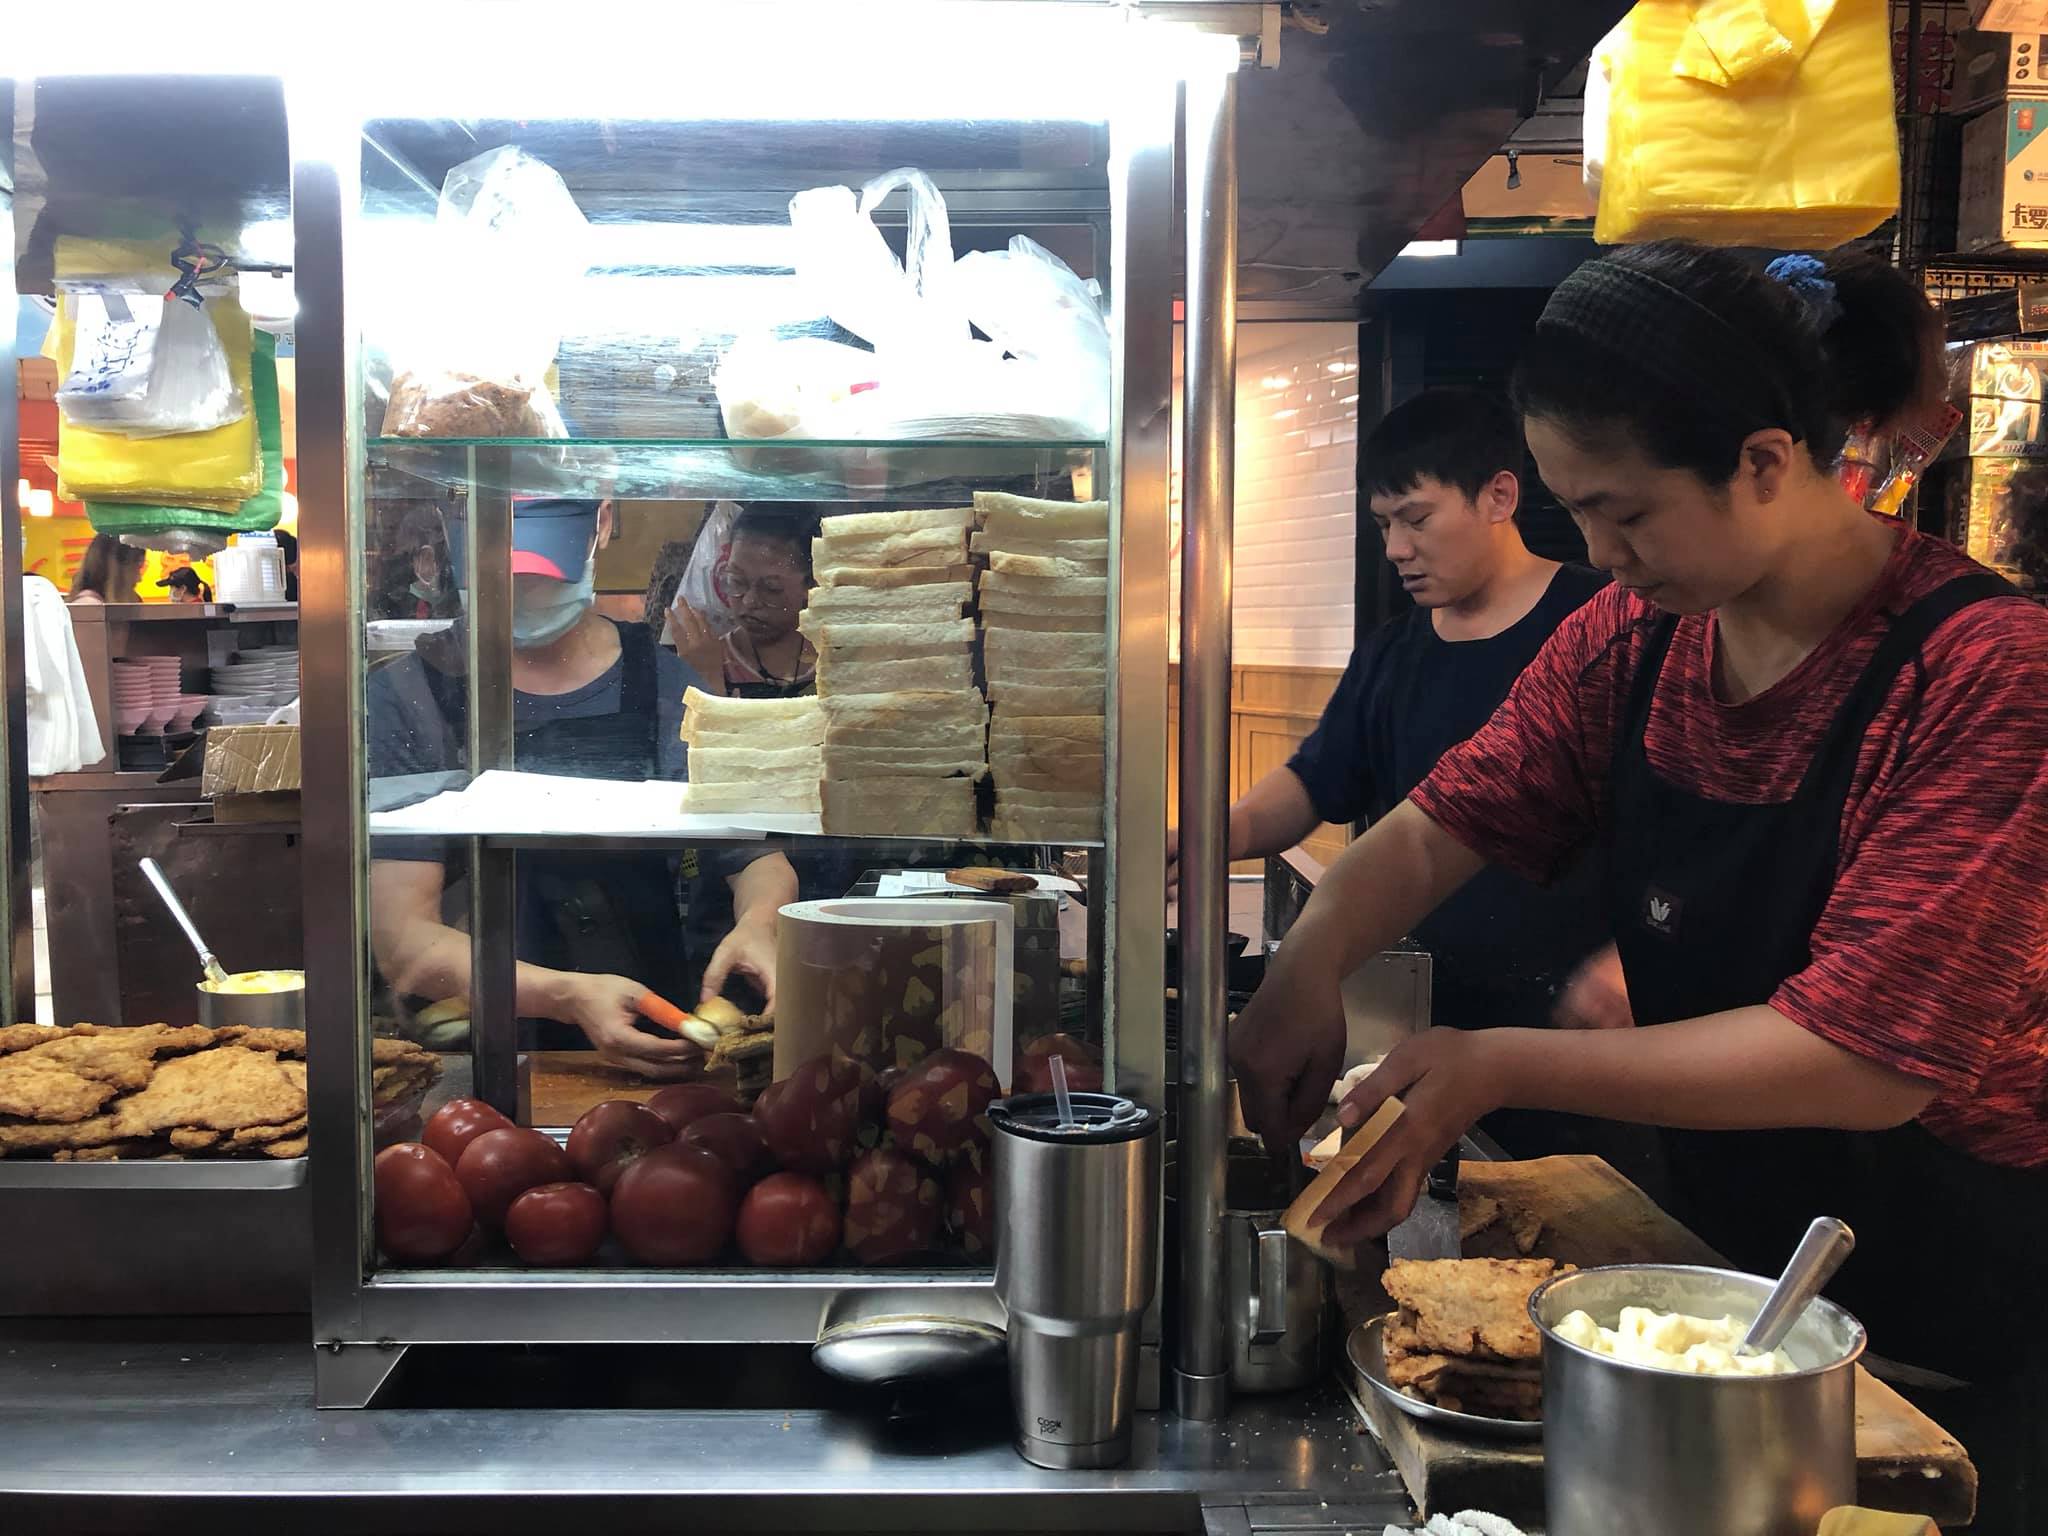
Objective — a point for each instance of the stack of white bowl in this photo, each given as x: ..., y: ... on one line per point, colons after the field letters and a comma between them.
x: 254, y: 684
x: 149, y: 698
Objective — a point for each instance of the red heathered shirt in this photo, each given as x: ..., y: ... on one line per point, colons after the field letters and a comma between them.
x: 1932, y: 953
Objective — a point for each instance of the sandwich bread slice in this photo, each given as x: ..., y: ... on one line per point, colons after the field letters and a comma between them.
x: 898, y: 807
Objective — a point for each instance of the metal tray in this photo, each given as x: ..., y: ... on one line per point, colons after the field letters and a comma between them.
x: 1367, y: 1353
x: 193, y: 1173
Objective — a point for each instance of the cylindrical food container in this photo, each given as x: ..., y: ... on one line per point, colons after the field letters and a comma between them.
x: 885, y: 980
x: 1076, y: 1244
x: 278, y: 1006
x: 1633, y: 1448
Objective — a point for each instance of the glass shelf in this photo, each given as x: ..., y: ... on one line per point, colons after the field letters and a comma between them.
x: 704, y: 469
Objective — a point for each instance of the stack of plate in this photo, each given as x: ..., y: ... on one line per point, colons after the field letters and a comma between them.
x: 254, y: 684
x: 146, y: 694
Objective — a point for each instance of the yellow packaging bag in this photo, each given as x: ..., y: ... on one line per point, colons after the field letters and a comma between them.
x: 1749, y: 122
x: 216, y: 469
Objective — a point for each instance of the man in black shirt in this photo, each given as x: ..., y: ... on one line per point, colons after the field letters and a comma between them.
x: 1441, y: 474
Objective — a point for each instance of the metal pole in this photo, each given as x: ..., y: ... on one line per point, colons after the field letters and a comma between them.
x: 19, y: 960
x: 1209, y: 462
x: 493, y: 965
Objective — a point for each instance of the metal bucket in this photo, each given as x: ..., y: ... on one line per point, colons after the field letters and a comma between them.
x: 1630, y: 1448
x: 1282, y: 1325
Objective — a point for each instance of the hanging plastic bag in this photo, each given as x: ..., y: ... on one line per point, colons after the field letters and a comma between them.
x: 1033, y: 306
x: 476, y: 322
x: 703, y: 583
x: 1750, y: 122
x: 144, y: 366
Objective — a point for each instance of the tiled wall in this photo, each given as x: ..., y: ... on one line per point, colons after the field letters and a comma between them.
x: 1296, y: 519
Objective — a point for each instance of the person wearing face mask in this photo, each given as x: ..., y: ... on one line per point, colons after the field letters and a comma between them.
x: 596, y: 699
x: 1811, y: 743
x: 767, y: 580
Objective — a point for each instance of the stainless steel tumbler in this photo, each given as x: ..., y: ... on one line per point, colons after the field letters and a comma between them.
x: 1076, y: 1251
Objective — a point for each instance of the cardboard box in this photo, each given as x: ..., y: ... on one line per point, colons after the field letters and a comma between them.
x: 1989, y: 67
x: 2009, y: 15
x: 2003, y: 201
x: 251, y: 772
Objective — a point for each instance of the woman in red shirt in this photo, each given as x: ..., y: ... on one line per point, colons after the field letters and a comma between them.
x: 1815, y: 747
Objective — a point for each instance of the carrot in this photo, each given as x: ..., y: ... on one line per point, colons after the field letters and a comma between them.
x: 660, y: 1010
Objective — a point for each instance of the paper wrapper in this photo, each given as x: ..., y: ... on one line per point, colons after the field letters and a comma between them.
x: 885, y: 981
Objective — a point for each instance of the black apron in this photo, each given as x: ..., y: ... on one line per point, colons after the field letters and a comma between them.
x: 596, y: 913
x: 1713, y: 906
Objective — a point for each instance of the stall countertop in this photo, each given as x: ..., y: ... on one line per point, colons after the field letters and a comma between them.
x: 212, y: 1423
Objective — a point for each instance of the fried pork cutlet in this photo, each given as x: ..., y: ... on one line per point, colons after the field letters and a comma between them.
x: 18, y: 1135
x: 19, y: 1037
x: 1475, y: 1214
x: 1477, y: 1308
x: 48, y: 1090
x: 125, y: 1058
x: 228, y: 1088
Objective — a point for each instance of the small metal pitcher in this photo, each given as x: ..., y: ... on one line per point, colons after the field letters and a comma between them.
x: 1282, y: 1321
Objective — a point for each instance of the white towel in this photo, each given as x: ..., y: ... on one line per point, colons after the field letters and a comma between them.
x: 63, y: 731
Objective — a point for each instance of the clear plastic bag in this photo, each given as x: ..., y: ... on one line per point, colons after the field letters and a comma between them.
x: 476, y: 322
x: 846, y: 264
x: 1036, y: 309
x: 703, y: 583
x: 144, y: 366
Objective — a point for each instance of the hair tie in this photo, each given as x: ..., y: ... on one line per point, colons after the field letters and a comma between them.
x: 1807, y: 277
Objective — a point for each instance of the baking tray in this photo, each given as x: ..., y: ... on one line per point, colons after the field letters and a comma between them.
x: 1367, y: 1351
x: 149, y: 1173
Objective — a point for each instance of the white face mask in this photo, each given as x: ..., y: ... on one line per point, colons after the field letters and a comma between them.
x: 544, y: 610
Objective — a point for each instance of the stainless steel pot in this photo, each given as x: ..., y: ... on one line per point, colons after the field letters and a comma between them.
x: 1281, y: 1324
x: 1629, y: 1448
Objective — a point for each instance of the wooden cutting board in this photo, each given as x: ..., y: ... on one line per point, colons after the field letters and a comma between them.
x: 566, y: 1083
x: 1592, y: 1215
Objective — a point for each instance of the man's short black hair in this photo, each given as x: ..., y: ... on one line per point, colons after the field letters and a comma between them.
x: 1458, y: 437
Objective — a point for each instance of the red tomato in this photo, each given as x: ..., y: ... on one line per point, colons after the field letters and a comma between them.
x: 684, y: 1102
x: 501, y: 1165
x: 735, y: 1141
x: 935, y: 1109
x: 971, y: 1208
x: 556, y: 1224
x: 788, y: 1218
x: 609, y: 1136
x: 459, y: 1122
x: 892, y: 1207
x: 811, y: 1118
x: 674, y: 1206
x: 422, y: 1213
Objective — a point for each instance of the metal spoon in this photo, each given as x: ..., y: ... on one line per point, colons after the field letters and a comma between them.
x: 1814, y: 1262
x: 212, y: 967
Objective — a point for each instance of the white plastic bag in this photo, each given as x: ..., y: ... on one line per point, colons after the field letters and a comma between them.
x: 145, y: 366
x: 1050, y: 322
x: 846, y: 264
x: 703, y: 583
x: 478, y: 316
x: 792, y: 387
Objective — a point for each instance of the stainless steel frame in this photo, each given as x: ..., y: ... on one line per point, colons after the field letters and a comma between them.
x: 1202, y: 1369
x: 17, y: 910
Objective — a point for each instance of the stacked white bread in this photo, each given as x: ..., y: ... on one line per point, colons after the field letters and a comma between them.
x: 752, y: 754
x: 905, y: 725
x: 1044, y: 638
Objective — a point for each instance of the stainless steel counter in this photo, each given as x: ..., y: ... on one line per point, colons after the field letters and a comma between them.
x: 131, y: 1424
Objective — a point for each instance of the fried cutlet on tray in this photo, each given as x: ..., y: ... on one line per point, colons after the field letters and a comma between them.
x: 228, y: 1088
x: 1477, y: 1308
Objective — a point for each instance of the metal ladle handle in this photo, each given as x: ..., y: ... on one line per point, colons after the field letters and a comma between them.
x: 1814, y: 1262
x: 210, y: 965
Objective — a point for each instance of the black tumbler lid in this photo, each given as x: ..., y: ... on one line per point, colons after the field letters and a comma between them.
x: 1099, y: 1118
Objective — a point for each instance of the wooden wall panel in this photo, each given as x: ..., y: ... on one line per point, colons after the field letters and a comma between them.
x: 1272, y: 710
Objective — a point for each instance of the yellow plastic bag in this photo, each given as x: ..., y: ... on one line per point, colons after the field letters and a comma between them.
x: 216, y: 469
x: 1749, y: 122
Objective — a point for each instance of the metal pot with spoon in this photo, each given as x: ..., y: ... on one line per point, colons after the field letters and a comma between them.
x: 254, y: 999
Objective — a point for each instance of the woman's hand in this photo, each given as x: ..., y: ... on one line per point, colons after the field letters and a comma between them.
x: 1596, y: 997
x: 1446, y: 1079
x: 749, y: 951
x: 1287, y: 1048
x: 701, y: 647
x: 605, y: 1008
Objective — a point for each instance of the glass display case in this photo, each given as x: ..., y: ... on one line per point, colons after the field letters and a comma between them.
x: 564, y: 355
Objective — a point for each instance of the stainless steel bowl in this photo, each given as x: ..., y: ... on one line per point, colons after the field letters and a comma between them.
x: 253, y: 1010
x: 1631, y: 1448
